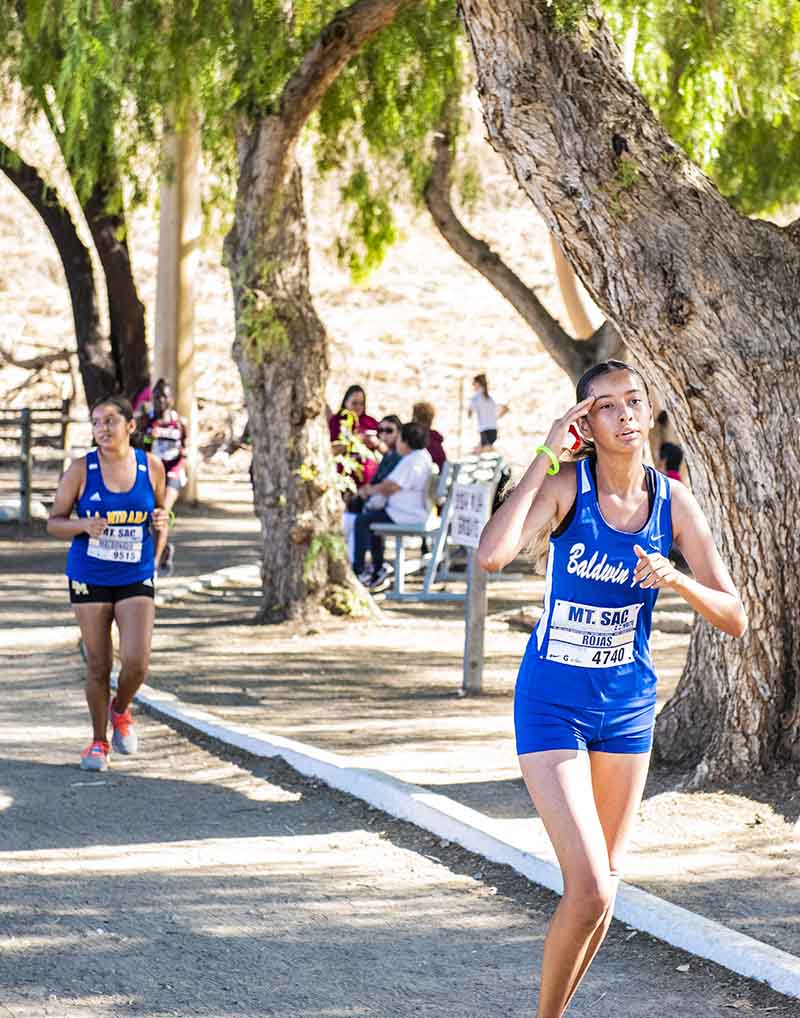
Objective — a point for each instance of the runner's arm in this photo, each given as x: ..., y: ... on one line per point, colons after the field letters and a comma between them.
x: 710, y: 590
x: 530, y: 507
x: 538, y: 501
x: 59, y: 523
x: 160, y: 521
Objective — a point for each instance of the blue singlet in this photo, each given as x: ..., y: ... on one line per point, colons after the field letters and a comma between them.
x: 124, y: 554
x: 590, y: 652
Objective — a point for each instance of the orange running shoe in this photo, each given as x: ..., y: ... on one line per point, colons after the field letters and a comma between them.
x: 95, y: 757
x: 123, y: 737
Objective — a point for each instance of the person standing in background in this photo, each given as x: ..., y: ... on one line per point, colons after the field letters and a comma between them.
x: 487, y: 413
x: 670, y: 460
x: 164, y: 435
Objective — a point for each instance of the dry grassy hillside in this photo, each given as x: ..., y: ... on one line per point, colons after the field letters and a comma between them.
x: 419, y: 328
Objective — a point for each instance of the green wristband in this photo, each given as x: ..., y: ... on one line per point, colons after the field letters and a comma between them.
x: 555, y: 465
x: 172, y: 517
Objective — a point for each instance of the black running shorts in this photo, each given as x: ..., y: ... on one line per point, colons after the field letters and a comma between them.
x: 93, y: 593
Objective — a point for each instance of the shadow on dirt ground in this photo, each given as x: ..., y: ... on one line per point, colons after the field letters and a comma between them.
x: 386, y: 693
x: 189, y: 880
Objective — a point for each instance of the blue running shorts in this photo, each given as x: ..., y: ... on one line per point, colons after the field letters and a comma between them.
x: 540, y: 726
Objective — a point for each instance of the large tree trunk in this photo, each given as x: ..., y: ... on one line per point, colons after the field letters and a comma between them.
x: 281, y: 345
x: 281, y: 351
x: 706, y: 301
x: 125, y: 310
x: 572, y: 356
x: 94, y: 357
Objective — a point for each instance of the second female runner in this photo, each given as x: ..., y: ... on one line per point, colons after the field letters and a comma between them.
x: 117, y: 494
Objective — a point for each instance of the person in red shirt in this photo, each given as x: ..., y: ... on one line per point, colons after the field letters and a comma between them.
x: 354, y: 434
x: 424, y: 413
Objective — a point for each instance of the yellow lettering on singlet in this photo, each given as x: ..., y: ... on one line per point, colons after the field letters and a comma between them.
x: 125, y: 516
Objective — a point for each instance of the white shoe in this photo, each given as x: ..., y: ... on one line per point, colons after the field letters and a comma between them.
x: 381, y: 578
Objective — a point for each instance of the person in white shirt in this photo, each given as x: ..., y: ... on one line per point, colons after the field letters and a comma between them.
x: 487, y: 413
x: 406, y: 492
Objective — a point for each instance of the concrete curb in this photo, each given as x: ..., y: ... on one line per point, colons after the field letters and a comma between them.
x: 485, y: 836
x: 231, y: 575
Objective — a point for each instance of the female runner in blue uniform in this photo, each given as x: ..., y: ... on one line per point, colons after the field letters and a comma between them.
x: 585, y: 697
x: 117, y: 492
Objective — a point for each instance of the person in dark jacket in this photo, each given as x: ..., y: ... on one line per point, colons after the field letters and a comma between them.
x: 424, y: 413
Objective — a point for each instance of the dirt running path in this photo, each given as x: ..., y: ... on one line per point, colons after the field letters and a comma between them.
x: 187, y: 882
x: 385, y: 693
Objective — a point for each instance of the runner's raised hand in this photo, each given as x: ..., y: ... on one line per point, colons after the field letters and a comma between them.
x: 558, y: 437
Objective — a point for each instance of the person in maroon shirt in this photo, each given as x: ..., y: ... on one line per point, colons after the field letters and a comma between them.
x: 423, y: 413
x: 352, y: 420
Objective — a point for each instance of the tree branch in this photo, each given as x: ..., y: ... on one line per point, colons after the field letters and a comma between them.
x: 34, y: 363
x: 265, y: 147
x: 126, y: 312
x: 650, y: 237
x: 573, y: 356
x: 341, y: 39
x: 96, y: 366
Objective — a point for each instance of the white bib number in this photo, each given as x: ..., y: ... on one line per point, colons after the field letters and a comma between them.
x: 117, y: 544
x: 592, y: 637
x: 165, y: 449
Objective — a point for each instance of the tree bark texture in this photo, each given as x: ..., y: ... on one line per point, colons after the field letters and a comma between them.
x: 281, y: 351
x: 706, y: 302
x: 572, y: 356
x: 281, y: 346
x: 125, y: 311
x: 94, y: 357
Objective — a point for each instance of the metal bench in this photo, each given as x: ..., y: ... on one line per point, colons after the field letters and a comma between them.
x: 437, y: 568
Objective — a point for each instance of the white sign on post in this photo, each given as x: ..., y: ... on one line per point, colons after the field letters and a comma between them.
x: 472, y: 504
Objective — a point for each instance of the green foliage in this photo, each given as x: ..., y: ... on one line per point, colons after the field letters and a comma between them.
x: 307, y: 473
x: 376, y: 120
x: 372, y: 228
x: 264, y: 336
x: 107, y: 73
x: 567, y: 14
x: 724, y: 77
x: 627, y: 174
x: 339, y: 600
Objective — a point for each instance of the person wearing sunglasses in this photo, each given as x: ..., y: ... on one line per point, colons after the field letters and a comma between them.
x: 388, y: 434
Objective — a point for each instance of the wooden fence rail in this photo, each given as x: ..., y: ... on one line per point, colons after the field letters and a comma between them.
x: 26, y: 425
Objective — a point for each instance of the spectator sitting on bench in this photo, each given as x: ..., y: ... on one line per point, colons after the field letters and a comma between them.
x: 406, y: 492
x: 388, y: 436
